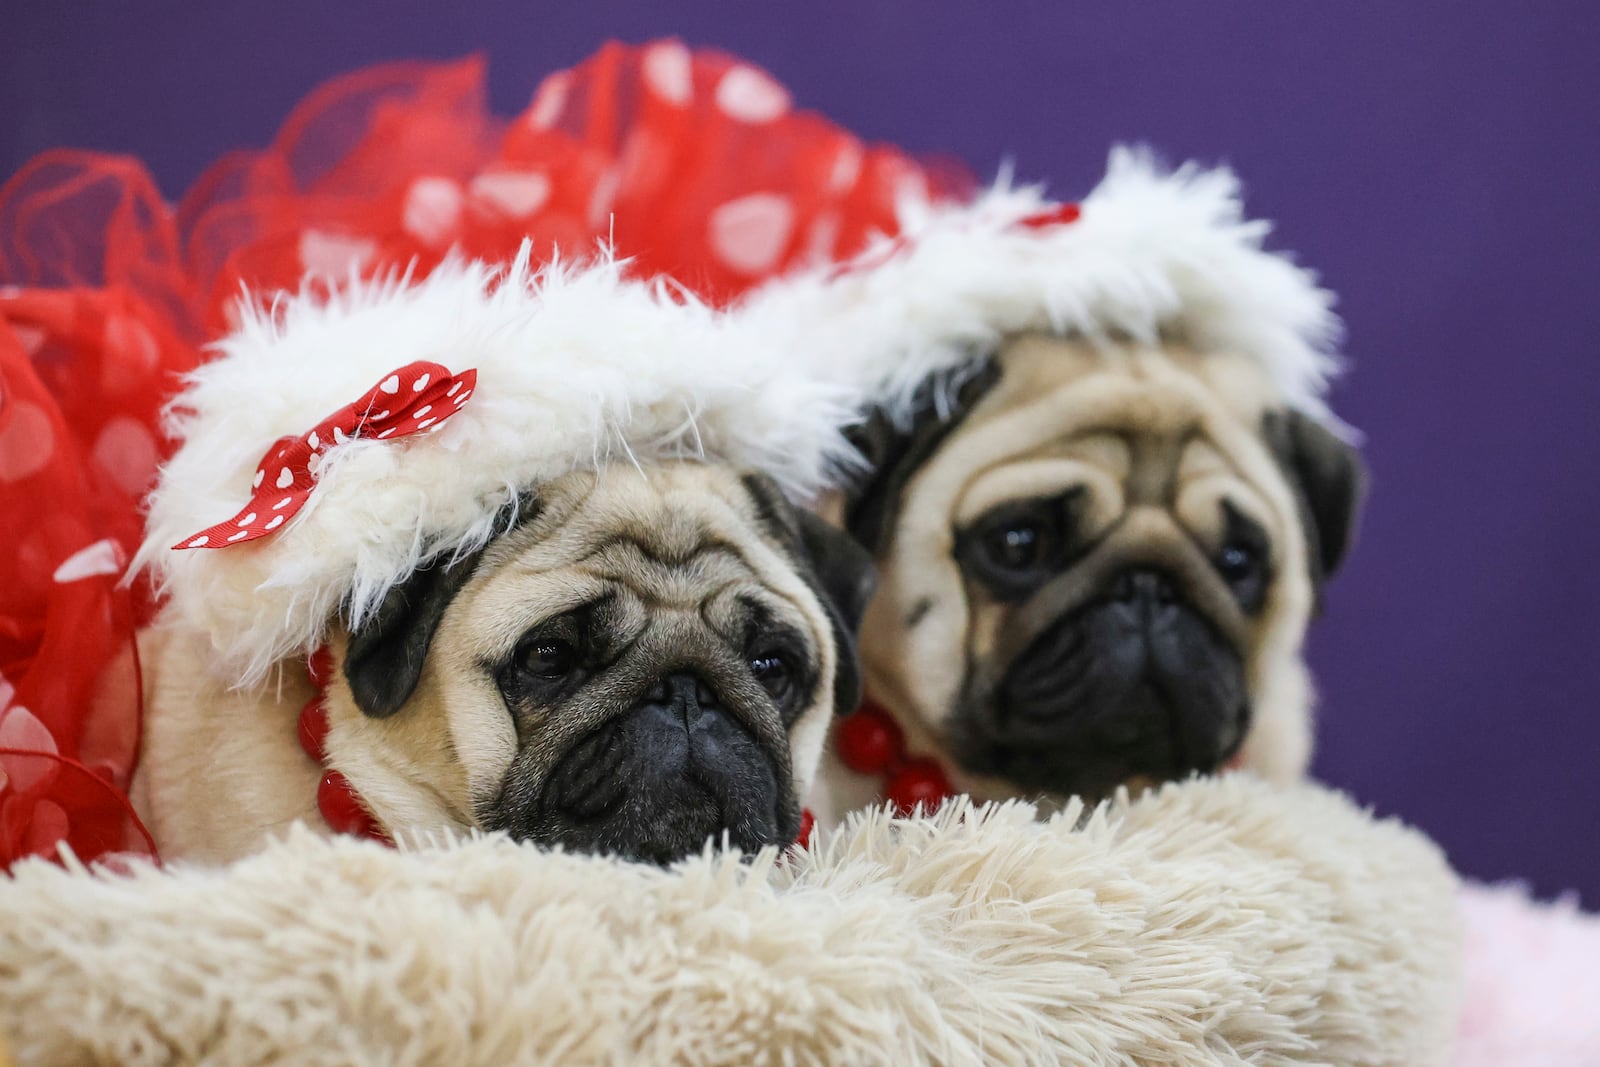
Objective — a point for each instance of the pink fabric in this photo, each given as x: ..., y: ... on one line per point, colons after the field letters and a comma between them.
x: 1532, y: 982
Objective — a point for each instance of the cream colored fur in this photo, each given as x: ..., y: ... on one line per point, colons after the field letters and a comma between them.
x: 1067, y: 414
x: 1218, y: 922
x: 222, y: 767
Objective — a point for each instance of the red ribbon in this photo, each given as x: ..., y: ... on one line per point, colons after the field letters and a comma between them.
x: 1059, y: 215
x: 414, y: 399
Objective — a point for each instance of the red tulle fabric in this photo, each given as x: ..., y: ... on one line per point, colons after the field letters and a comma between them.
x: 694, y: 163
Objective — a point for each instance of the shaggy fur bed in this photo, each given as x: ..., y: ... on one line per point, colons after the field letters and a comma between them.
x: 1214, y: 922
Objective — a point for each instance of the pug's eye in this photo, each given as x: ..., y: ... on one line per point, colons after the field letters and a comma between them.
x: 771, y: 669
x: 1237, y: 562
x: 1017, y: 546
x: 547, y: 657
x: 1243, y: 561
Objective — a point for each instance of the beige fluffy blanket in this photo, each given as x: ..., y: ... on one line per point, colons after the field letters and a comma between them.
x: 1214, y: 922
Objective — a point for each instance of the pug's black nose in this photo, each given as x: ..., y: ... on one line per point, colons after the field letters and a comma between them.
x: 687, y: 695
x: 1144, y: 587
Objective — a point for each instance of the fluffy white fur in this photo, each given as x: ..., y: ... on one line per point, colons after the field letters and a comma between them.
x: 1154, y: 255
x: 1214, y: 922
x: 576, y: 367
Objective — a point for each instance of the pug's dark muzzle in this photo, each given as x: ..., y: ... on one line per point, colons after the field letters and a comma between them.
x: 657, y: 782
x: 1134, y: 683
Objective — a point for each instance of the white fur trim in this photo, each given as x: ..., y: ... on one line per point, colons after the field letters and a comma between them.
x: 1153, y: 254
x: 1217, y: 922
x: 576, y: 367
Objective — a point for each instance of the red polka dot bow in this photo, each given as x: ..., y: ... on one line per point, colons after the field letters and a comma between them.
x: 411, y: 400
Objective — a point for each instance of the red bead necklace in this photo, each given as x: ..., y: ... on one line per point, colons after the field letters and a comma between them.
x: 870, y: 742
x: 341, y: 806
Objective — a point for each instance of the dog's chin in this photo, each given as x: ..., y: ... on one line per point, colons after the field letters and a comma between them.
x: 647, y: 786
x: 1111, y: 694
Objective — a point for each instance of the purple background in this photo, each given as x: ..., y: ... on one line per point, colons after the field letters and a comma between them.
x: 1437, y: 162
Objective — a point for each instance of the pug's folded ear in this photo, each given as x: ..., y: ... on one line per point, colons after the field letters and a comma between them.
x: 837, y: 568
x: 844, y: 569
x: 1330, y: 479
x: 896, y: 447
x: 384, y: 660
x: 846, y: 577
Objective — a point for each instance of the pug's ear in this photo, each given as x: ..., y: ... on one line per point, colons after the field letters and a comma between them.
x: 384, y: 660
x: 847, y: 578
x: 896, y: 448
x: 844, y: 570
x: 837, y: 568
x: 1330, y: 480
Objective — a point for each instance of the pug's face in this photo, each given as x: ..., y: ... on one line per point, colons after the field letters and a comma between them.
x: 640, y: 664
x: 1099, y: 571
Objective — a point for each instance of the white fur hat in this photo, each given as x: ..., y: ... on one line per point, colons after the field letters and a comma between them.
x: 575, y: 366
x: 1148, y: 254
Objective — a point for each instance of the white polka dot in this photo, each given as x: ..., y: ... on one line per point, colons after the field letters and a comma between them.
x: 425, y: 423
x: 32, y: 337
x: 26, y: 441
x: 313, y: 440
x: 247, y: 520
x: 334, y: 254
x: 285, y: 478
x: 391, y: 384
x: 131, y: 353
x: 670, y: 72
x: 237, y: 536
x: 846, y: 168
x: 421, y: 383
x: 432, y: 209
x: 260, y: 477
x: 285, y: 502
x: 548, y: 102
x: 386, y: 433
x: 126, y: 450
x: 203, y: 539
x: 339, y: 436
x: 453, y: 389
x: 462, y: 399
x: 749, y: 95
x: 603, y: 196
x: 423, y: 410
x: 21, y: 729
x: 277, y: 521
x: 102, y: 557
x: 749, y: 234
x: 515, y: 194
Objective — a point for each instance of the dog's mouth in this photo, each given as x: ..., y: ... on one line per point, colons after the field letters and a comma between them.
x: 1133, y: 685
x: 660, y: 781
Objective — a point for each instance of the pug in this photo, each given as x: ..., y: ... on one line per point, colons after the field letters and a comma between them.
x: 640, y: 663
x: 1097, y: 566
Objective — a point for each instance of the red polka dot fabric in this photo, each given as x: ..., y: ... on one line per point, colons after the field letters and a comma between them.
x: 416, y: 398
x: 89, y: 351
x: 697, y: 165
